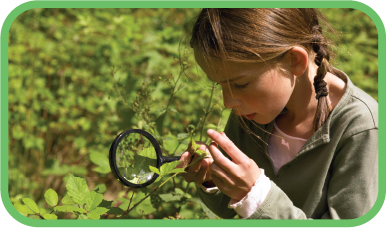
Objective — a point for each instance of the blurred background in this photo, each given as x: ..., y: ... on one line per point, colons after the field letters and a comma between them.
x: 79, y: 77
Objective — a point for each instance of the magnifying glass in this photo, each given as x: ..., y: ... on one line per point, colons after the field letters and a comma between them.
x: 130, y: 155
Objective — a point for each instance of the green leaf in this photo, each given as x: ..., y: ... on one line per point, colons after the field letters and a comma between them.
x: 67, y: 200
x: 50, y: 216
x: 115, y: 211
x: 102, y: 161
x: 93, y: 216
x: 75, y: 209
x: 51, y: 197
x: 170, y: 197
x: 42, y: 211
x: 201, y: 153
x: 61, y: 208
x: 173, y: 110
x: 100, y: 210
x: 179, y: 170
x: 92, y: 200
x: 182, y: 136
x: 154, y: 170
x: 77, y: 189
x: 102, y: 169
x: 31, y: 205
x: 100, y: 188
x: 179, y: 191
x: 23, y: 209
x: 105, y: 203
x: 82, y: 217
x: 194, y: 145
x: 168, y: 167
x: 148, y: 153
x: 69, y: 209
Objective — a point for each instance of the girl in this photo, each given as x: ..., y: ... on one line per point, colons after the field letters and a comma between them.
x: 302, y: 140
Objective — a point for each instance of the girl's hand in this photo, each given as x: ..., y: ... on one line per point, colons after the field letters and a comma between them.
x: 198, y: 172
x: 234, y: 178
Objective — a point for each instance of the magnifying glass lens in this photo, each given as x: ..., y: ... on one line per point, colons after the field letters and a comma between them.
x: 134, y: 154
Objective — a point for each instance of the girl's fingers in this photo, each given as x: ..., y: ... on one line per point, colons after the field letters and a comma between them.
x: 228, y: 146
x: 196, y: 166
x: 218, y: 182
x: 185, y: 158
x: 220, y: 173
x: 220, y: 159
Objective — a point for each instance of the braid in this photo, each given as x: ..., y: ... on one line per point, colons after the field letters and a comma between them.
x: 322, y: 61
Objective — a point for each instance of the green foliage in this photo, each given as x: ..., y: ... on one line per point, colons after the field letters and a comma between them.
x: 79, y: 77
x: 51, y: 197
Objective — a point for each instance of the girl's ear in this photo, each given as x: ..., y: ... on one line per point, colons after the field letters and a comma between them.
x: 299, y: 60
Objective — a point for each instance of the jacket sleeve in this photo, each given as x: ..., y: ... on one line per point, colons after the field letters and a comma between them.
x: 217, y: 203
x: 353, y: 186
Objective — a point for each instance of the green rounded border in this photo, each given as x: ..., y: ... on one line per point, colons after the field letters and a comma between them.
x: 184, y: 4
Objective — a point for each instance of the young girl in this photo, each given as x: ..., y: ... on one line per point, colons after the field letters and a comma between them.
x: 302, y: 140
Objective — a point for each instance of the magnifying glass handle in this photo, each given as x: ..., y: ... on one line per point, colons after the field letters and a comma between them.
x: 170, y: 159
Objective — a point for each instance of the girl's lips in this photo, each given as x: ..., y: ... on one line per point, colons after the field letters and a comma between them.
x: 251, y: 116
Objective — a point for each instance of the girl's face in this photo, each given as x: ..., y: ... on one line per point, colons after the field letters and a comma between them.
x: 251, y: 89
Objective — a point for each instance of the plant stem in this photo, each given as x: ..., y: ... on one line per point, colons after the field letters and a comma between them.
x: 207, y: 111
x: 158, y: 187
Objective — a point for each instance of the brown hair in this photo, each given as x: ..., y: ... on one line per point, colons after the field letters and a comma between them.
x: 264, y: 35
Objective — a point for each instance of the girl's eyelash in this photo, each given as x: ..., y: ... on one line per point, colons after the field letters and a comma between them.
x: 242, y: 86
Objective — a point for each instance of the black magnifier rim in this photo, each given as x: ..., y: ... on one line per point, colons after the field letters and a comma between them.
x: 113, y: 163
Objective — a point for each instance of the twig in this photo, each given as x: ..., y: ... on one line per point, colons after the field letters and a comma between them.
x: 207, y: 111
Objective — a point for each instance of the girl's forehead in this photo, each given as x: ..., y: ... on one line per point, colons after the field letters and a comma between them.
x: 217, y: 69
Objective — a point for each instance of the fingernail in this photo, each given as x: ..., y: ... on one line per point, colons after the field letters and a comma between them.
x: 210, y: 131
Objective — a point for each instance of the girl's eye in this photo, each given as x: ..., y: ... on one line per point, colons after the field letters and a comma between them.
x: 242, y: 86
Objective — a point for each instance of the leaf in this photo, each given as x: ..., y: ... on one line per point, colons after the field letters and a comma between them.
x: 51, y: 197
x: 148, y: 153
x: 178, y: 170
x: 100, y: 188
x: 50, y: 216
x: 42, y: 211
x: 31, y: 205
x: 115, y: 211
x: 92, y: 200
x: 201, y: 153
x: 173, y: 110
x: 179, y: 191
x: 69, y: 209
x: 75, y: 209
x: 103, y: 170
x: 61, y: 208
x: 182, y: 136
x: 170, y: 197
x: 102, y: 161
x: 105, y: 203
x: 77, y: 189
x: 100, y: 210
x: 168, y: 167
x: 93, y: 216
x: 194, y: 145
x: 67, y: 200
x: 23, y: 209
x: 82, y: 217
x: 154, y: 170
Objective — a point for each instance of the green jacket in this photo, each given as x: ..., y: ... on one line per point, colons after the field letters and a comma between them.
x: 334, y: 175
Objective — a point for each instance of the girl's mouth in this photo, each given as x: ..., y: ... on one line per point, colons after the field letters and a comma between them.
x: 251, y: 116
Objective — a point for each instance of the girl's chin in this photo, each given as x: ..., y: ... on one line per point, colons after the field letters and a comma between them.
x: 262, y: 120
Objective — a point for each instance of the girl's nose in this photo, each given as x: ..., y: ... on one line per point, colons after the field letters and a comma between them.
x: 230, y: 100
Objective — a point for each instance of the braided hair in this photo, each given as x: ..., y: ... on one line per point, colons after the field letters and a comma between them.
x: 322, y: 61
